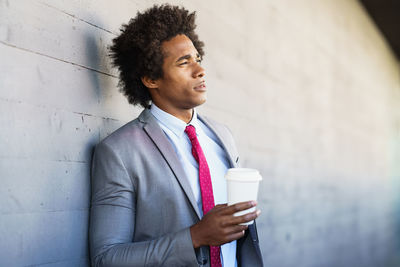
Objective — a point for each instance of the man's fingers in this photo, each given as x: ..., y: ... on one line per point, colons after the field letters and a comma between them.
x: 219, y: 206
x: 246, y: 217
x: 234, y: 229
x: 239, y: 207
x: 229, y: 238
x: 235, y: 236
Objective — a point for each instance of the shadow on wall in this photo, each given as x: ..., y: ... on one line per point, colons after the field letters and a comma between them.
x: 109, y: 109
x: 93, y: 57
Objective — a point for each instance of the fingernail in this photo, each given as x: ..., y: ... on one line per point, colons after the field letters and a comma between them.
x: 258, y: 212
x: 253, y: 202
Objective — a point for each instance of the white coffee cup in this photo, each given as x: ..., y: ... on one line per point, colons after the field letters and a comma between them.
x: 242, y: 185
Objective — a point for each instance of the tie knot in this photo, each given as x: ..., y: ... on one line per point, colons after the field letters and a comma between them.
x: 191, y: 132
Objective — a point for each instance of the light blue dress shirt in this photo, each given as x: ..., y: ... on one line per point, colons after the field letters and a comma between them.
x: 217, y: 161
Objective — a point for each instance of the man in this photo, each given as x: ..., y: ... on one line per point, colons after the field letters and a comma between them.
x: 155, y: 181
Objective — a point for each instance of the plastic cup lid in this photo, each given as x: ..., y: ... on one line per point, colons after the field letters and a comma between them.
x: 243, y: 175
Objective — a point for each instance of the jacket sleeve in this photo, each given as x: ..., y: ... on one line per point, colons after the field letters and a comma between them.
x: 112, y: 221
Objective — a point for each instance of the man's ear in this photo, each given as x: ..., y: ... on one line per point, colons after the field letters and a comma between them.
x: 149, y: 83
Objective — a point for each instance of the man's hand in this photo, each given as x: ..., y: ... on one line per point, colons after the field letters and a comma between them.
x: 219, y: 226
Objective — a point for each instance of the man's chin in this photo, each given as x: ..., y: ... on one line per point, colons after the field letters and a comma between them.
x: 201, y: 102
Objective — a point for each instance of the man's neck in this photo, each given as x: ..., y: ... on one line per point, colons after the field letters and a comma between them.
x: 183, y: 114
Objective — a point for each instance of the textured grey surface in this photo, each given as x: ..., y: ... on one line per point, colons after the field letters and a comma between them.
x: 309, y: 89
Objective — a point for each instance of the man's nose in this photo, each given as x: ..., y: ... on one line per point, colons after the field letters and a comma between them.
x: 199, y: 72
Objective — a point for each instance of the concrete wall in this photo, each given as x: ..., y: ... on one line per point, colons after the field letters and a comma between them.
x: 309, y: 88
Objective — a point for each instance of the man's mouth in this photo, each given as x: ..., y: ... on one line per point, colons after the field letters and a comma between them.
x: 201, y: 86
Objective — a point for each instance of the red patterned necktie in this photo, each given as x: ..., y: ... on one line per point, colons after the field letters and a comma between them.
x: 207, y: 197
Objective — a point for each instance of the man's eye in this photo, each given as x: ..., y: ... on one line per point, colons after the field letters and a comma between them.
x: 199, y: 60
x: 183, y: 63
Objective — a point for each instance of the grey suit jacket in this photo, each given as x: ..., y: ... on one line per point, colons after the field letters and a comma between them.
x: 142, y: 204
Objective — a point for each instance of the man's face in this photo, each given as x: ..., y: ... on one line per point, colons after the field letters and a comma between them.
x: 182, y: 86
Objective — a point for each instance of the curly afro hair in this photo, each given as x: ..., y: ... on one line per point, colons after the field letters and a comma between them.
x: 136, y: 52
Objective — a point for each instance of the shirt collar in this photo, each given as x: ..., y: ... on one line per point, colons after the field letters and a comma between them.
x: 175, y: 125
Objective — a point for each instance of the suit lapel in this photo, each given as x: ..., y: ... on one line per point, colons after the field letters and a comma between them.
x: 232, y: 156
x: 156, y: 134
